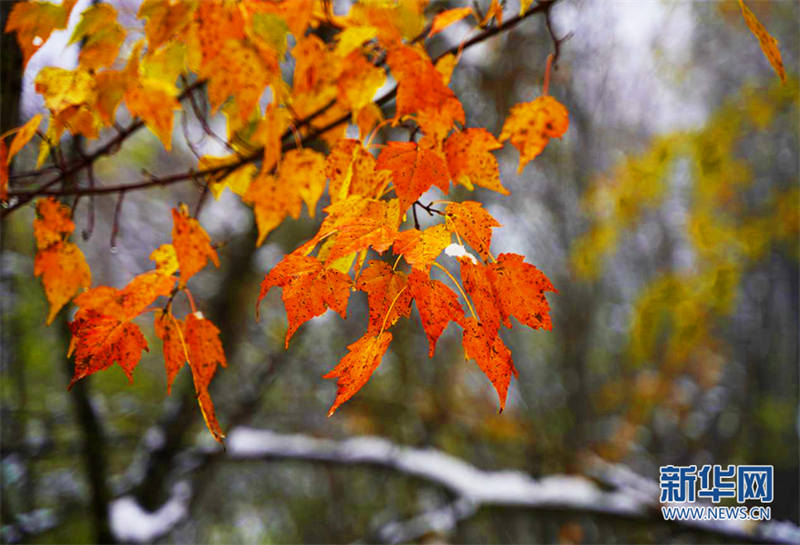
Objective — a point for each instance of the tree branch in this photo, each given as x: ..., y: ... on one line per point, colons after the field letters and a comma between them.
x: 471, y: 488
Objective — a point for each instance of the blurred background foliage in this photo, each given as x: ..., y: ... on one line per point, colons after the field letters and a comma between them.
x: 667, y: 218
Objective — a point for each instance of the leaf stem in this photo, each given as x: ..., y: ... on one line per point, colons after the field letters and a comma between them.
x: 464, y: 295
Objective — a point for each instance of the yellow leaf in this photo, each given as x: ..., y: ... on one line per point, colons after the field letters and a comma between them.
x: 154, y: 104
x: 166, y: 259
x: 769, y: 45
x: 531, y: 125
x: 103, y: 35
x: 447, y: 18
x: 237, y: 181
x: 353, y: 38
x: 23, y: 136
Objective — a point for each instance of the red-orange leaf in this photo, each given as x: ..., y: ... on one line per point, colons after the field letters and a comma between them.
x: 354, y: 370
x: 415, y: 168
x: 520, y: 288
x: 531, y: 125
x: 437, y: 306
x: 478, y: 285
x: 420, y: 91
x: 309, y: 289
x: 192, y: 244
x: 99, y: 340
x: 171, y: 332
x: 387, y: 295
x: 470, y: 161
x: 492, y: 356
x: 205, y: 354
x: 421, y: 248
x: 471, y: 222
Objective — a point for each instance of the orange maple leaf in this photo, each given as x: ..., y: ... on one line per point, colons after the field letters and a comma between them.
x: 437, y: 306
x: 478, y: 285
x: 472, y: 222
x: 64, y: 271
x: 309, y: 289
x: 421, y: 248
x: 415, y: 168
x: 351, y: 171
x: 171, y: 332
x: 35, y: 21
x: 420, y: 91
x: 99, y: 340
x: 102, y: 332
x: 447, y: 18
x: 354, y: 370
x: 519, y: 289
x: 60, y: 263
x: 531, y: 125
x: 470, y: 161
x: 491, y: 354
x: 387, y: 295
x: 359, y: 224
x: 192, y: 245
x: 205, y: 355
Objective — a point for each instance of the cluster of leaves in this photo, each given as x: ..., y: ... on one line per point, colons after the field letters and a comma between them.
x: 238, y: 50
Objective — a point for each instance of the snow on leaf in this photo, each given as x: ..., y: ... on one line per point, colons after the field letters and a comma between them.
x: 470, y: 161
x: 354, y: 370
x: 531, y: 125
x: 421, y: 248
x: 437, y: 306
x: 415, y: 168
x: 205, y: 355
x: 192, y: 245
x: 769, y: 45
x: 64, y: 271
x: 309, y: 289
x: 490, y: 353
x: 171, y: 332
x: 387, y: 296
x: 470, y: 221
x: 35, y: 21
x: 447, y: 18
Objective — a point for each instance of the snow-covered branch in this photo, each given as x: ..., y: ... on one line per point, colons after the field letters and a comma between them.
x: 630, y: 496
